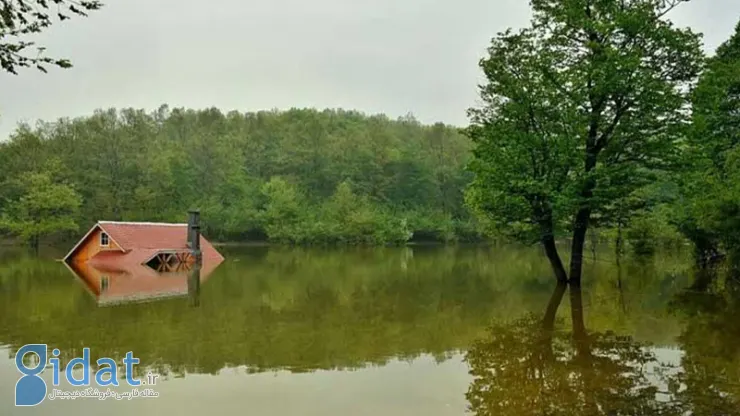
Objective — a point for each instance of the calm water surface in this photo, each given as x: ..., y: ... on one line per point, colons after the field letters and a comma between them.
x: 402, y: 331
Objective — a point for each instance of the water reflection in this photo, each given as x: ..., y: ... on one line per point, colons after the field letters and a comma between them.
x: 710, y: 339
x: 126, y: 283
x: 299, y: 311
x: 531, y: 366
x: 195, y: 276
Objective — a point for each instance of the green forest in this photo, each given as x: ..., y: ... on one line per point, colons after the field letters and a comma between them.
x: 606, y: 124
x: 296, y: 176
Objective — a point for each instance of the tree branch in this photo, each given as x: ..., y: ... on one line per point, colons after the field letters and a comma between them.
x: 603, y: 139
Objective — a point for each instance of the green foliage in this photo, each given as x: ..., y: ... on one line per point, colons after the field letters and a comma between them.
x: 646, y: 216
x: 41, y: 208
x: 283, y: 212
x: 652, y: 232
x: 580, y: 108
x: 350, y: 218
x: 20, y: 18
x: 709, y: 209
x: 298, y: 176
x: 343, y: 218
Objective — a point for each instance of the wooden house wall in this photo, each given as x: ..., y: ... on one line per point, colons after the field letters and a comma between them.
x: 91, y: 246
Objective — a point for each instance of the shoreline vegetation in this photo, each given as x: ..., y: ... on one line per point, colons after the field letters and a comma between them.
x: 295, y: 177
x: 300, y: 176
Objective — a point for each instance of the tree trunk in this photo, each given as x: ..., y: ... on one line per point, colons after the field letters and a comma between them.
x: 580, y: 335
x: 583, y: 216
x: 584, y: 360
x: 548, y: 322
x: 579, y: 239
x: 551, y: 250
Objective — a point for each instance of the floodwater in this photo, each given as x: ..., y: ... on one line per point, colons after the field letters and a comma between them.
x: 392, y: 331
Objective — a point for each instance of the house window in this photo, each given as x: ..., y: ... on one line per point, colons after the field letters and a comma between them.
x: 104, y: 283
x: 104, y: 240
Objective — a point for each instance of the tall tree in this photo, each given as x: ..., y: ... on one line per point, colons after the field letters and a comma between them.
x: 579, y: 106
x: 21, y: 18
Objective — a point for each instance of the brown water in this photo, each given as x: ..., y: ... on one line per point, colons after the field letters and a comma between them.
x: 401, y: 331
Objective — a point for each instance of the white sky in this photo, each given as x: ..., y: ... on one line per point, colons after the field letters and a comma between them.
x: 390, y: 56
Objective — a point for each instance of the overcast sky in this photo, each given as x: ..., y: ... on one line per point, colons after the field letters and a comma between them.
x: 390, y: 56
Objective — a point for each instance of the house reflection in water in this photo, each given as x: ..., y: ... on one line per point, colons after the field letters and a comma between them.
x: 121, y: 284
x: 122, y: 262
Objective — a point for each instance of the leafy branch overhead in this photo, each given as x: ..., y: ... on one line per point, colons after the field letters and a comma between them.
x: 20, y: 19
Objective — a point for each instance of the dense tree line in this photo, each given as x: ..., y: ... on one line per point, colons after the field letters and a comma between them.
x: 297, y: 176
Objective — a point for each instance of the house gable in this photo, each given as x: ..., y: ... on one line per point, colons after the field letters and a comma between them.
x: 90, y: 245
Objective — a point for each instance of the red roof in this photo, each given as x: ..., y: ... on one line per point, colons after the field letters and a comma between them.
x: 131, y: 235
x: 142, y: 240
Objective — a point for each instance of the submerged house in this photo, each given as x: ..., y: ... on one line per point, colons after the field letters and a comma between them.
x: 128, y: 261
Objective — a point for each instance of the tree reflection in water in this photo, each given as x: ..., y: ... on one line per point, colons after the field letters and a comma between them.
x: 532, y: 367
x: 710, y: 367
